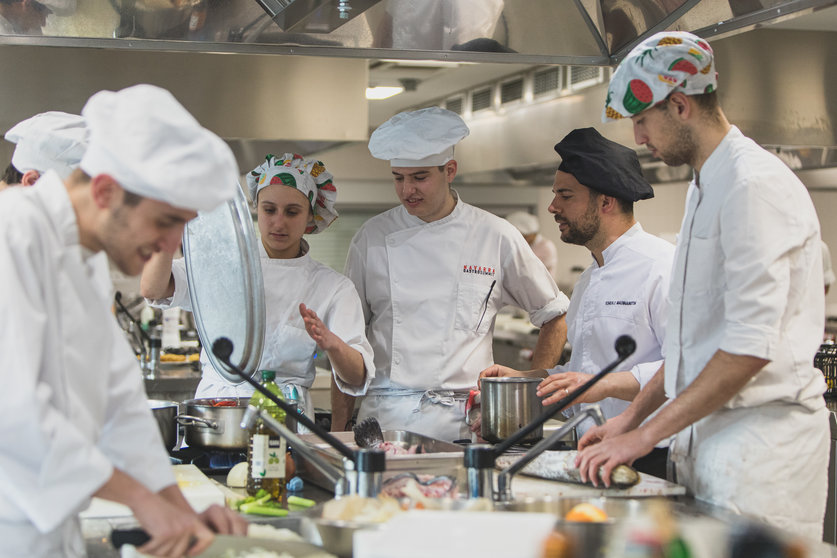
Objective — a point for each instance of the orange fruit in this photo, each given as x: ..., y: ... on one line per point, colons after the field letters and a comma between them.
x: 586, y: 512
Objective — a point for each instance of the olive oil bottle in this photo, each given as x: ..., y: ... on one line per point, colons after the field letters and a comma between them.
x: 266, y: 450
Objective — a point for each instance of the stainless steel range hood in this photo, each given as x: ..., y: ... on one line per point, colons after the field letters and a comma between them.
x: 581, y: 32
x: 293, y: 78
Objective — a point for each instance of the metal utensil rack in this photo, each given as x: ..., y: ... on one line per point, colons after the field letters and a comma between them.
x: 826, y: 361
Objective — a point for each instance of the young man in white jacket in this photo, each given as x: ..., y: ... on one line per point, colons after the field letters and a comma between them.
x: 746, y: 307
x: 432, y: 274
x: 77, y: 422
x: 624, y: 289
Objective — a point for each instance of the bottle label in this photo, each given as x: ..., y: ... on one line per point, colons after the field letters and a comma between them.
x: 275, y: 467
x: 268, y: 457
x: 259, y: 456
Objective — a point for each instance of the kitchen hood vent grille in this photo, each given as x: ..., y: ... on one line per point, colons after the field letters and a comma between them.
x: 511, y: 91
x: 455, y: 105
x: 546, y: 81
x: 481, y: 100
x: 585, y: 76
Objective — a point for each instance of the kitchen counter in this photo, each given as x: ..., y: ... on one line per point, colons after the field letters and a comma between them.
x: 97, y: 530
x: 698, y: 519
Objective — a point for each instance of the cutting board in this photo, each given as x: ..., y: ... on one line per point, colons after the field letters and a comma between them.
x: 200, y: 491
x: 648, y: 486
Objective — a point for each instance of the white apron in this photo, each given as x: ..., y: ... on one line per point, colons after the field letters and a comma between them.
x: 729, y: 459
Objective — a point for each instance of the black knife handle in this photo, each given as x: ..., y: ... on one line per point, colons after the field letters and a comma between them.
x: 136, y: 537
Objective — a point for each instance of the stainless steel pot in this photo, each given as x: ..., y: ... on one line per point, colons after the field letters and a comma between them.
x: 165, y: 413
x: 215, y: 423
x: 509, y: 404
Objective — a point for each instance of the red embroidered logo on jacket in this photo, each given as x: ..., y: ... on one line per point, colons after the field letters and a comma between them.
x: 478, y: 269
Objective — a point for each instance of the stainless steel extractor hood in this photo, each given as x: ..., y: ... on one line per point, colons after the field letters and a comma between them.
x: 293, y: 78
x: 581, y: 32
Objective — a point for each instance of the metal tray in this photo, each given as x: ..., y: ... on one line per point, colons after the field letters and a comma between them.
x: 437, y: 457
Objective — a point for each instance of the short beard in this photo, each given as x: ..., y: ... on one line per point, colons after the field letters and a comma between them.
x: 683, y: 145
x: 583, y: 231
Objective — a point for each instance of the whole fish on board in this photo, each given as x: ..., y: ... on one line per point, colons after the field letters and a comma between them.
x: 560, y: 466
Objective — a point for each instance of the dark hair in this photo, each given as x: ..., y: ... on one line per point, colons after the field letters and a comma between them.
x: 625, y: 206
x: 708, y: 104
x: 707, y: 101
x: 131, y: 199
x: 11, y: 175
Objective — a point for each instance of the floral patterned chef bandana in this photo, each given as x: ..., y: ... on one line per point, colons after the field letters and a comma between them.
x: 308, y: 176
x: 665, y: 62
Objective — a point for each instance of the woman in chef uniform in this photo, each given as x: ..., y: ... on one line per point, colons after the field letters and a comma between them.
x: 306, y: 303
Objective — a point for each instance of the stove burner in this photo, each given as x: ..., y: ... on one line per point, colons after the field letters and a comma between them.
x: 209, y: 461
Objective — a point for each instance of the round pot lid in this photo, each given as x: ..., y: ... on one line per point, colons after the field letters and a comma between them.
x: 225, y: 283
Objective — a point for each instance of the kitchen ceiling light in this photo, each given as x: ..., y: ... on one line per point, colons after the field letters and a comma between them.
x: 382, y: 92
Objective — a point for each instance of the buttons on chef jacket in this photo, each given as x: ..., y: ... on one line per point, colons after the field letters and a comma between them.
x: 397, y: 359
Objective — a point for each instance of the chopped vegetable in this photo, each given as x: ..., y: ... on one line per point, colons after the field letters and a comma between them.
x: 300, y: 502
x: 263, y: 504
x: 224, y: 403
x: 261, y: 509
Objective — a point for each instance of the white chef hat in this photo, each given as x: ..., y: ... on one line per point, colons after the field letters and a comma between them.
x: 60, y: 7
x: 421, y: 138
x: 50, y: 140
x: 526, y: 223
x: 153, y: 147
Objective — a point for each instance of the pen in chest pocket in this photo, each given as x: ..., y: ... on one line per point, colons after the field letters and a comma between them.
x: 485, y: 304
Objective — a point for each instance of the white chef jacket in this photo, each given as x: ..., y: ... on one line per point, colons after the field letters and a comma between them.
x: 75, y: 406
x: 627, y: 295
x: 547, y: 252
x: 430, y: 293
x: 288, y: 349
x: 748, y: 280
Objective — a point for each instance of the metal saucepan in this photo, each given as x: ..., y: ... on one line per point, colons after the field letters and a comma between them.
x: 165, y: 413
x: 215, y: 422
x: 509, y: 404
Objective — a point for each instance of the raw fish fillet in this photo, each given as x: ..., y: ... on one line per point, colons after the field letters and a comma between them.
x: 560, y: 466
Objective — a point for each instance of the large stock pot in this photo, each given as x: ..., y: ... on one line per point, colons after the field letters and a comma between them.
x: 215, y: 422
x: 165, y: 413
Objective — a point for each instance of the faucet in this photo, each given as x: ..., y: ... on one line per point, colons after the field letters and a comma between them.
x: 364, y: 477
x: 363, y: 469
x: 504, y: 479
x: 334, y: 475
x: 479, y: 458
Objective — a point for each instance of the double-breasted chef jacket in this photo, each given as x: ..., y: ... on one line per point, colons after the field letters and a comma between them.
x: 430, y: 293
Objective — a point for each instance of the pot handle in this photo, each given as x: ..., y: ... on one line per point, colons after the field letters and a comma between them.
x: 188, y: 420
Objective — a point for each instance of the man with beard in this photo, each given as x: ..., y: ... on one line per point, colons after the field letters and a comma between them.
x: 746, y: 306
x: 622, y: 291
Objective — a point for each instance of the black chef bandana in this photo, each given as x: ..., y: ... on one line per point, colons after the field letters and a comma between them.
x: 603, y: 165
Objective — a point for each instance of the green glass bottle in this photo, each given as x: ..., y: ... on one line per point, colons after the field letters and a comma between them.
x: 266, y: 450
